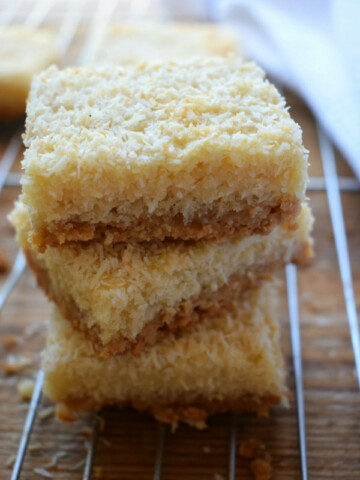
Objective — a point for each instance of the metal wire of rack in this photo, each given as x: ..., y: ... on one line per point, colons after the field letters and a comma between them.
x: 330, y: 182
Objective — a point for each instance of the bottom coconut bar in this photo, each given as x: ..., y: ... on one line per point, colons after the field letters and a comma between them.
x: 229, y: 363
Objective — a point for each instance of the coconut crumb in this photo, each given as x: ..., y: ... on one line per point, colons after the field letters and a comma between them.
x: 46, y: 413
x: 87, y: 431
x: 261, y: 468
x: 35, y: 447
x: 255, y: 450
x: 251, y: 448
x: 10, y: 461
x: 102, y: 423
x: 4, y: 262
x: 44, y: 473
x: 97, y: 472
x: 9, y: 340
x: 25, y: 388
x: 63, y: 413
x: 33, y: 329
x: 55, y: 458
x: 77, y: 465
x: 15, y: 364
x: 217, y: 476
x: 105, y: 442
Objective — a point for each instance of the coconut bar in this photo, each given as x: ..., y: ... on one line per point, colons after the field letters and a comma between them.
x: 131, y: 43
x: 24, y: 51
x: 126, y: 296
x: 203, y: 148
x: 229, y: 363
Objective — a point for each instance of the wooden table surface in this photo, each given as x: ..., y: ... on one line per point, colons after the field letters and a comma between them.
x: 127, y: 444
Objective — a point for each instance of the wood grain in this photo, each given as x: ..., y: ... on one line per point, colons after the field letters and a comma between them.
x: 127, y: 444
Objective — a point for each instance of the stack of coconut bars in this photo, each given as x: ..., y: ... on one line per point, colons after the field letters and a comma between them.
x: 158, y: 200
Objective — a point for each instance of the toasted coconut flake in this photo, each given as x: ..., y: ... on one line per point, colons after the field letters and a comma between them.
x: 63, y: 413
x: 10, y: 461
x: 15, y: 364
x: 105, y: 442
x: 77, y: 465
x: 47, y: 412
x: 87, y: 431
x: 251, y: 448
x: 55, y: 458
x: 217, y: 476
x: 9, y: 340
x: 43, y: 473
x: 33, y: 329
x: 35, y: 447
x: 261, y: 468
x: 25, y: 388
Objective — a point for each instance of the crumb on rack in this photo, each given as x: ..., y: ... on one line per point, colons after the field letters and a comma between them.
x: 261, y: 468
x: 43, y: 473
x: 102, y: 423
x: 46, y: 413
x: 63, y: 413
x: 35, y: 447
x: 105, y: 442
x: 251, y: 448
x: 77, y: 465
x: 33, y: 329
x: 10, y: 461
x: 217, y: 476
x: 87, y: 431
x: 25, y: 388
x: 54, y: 459
x: 9, y: 340
x: 15, y: 363
x: 255, y: 450
x: 97, y: 472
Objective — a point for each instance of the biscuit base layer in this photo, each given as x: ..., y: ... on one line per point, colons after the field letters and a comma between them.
x: 182, y: 318
x: 260, y: 219
x: 194, y: 414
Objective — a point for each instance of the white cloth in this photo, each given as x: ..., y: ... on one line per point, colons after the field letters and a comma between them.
x: 311, y: 46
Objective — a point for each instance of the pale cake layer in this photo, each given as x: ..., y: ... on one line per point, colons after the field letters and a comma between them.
x: 202, y: 148
x: 131, y: 43
x: 226, y: 363
x: 24, y: 52
x: 121, y: 295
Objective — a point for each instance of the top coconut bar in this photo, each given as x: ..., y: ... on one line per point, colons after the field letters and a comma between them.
x: 203, y: 148
x: 130, y: 43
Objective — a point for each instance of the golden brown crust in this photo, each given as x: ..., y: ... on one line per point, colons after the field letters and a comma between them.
x: 209, y: 227
x: 183, y: 317
x: 194, y: 414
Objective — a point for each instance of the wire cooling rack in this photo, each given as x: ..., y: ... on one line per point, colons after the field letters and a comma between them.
x: 82, y: 23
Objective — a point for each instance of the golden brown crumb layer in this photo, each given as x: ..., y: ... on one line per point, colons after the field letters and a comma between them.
x: 183, y: 317
x: 195, y: 414
x: 259, y: 220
